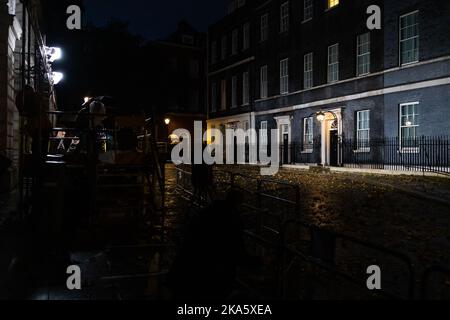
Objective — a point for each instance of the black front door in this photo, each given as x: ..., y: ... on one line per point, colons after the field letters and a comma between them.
x: 334, y: 148
x: 285, y: 148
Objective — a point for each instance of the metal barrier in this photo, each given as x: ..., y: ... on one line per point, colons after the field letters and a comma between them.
x: 322, y: 253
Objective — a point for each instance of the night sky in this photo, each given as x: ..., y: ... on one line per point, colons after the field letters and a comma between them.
x: 156, y: 19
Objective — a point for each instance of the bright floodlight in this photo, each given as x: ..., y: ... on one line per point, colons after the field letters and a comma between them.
x: 53, y: 53
x: 57, y: 77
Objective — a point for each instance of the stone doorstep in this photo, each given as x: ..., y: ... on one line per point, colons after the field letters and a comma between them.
x: 319, y: 169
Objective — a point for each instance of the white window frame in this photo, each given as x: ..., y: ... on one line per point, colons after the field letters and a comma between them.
x: 234, y: 86
x: 245, y: 88
x: 408, y: 39
x: 360, y: 55
x: 284, y: 76
x: 308, y: 136
x: 264, y: 27
x: 246, y: 37
x: 308, y: 70
x: 416, y: 125
x: 360, y: 130
x: 284, y: 17
x: 308, y: 10
x: 263, y: 134
x: 234, y: 42
x: 333, y: 63
x: 264, y: 88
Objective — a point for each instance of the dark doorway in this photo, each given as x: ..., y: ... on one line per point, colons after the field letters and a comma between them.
x: 285, y: 148
x: 334, y: 148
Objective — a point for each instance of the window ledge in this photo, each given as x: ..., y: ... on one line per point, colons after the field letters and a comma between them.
x: 308, y: 151
x: 331, y: 8
x: 307, y: 20
x: 409, y: 151
x: 362, y: 150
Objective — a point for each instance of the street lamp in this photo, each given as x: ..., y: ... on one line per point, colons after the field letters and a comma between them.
x: 167, y: 121
x: 86, y: 99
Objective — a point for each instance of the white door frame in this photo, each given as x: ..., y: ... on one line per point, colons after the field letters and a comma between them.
x: 325, y: 129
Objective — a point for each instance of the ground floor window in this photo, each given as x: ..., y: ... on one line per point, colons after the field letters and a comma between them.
x: 409, y: 124
x: 308, y: 134
x: 363, y: 130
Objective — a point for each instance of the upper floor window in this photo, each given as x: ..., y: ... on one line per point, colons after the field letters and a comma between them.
x: 308, y: 70
x: 409, y: 38
x: 234, y: 42
x: 307, y: 9
x: 214, y: 52
x: 246, y: 38
x: 332, y: 3
x: 234, y: 92
x: 363, y: 54
x: 333, y: 63
x: 263, y: 83
x: 284, y: 17
x: 363, y: 129
x: 223, y: 53
x: 284, y: 76
x: 264, y: 27
x: 213, y: 97
x: 223, y: 95
x: 245, y: 88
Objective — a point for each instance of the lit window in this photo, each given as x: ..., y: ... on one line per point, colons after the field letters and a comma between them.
x: 264, y: 27
x: 308, y: 134
x: 333, y: 63
x: 263, y: 85
x: 409, y: 38
x: 307, y: 9
x: 308, y: 70
x: 284, y: 76
x: 332, y: 3
x: 363, y: 129
x: 284, y: 17
x: 363, y: 54
x: 245, y: 88
x: 409, y: 124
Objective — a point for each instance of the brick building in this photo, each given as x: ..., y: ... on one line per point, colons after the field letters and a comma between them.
x: 277, y: 64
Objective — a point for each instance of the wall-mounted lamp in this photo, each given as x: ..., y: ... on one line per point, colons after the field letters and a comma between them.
x: 167, y: 121
x: 320, y: 116
x: 53, y: 53
x: 56, y: 77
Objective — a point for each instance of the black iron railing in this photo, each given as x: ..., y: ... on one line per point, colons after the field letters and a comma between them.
x: 423, y: 154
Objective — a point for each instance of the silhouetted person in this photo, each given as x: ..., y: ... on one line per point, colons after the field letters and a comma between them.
x: 205, y: 267
x: 202, y: 180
